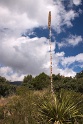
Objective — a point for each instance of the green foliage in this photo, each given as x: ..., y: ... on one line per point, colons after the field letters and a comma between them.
x: 34, y: 103
x: 21, y: 90
x: 3, y: 80
x: 23, y: 110
x: 38, y: 83
x: 5, y: 87
x: 59, y: 82
x: 66, y: 108
x: 41, y: 107
x: 79, y: 75
x: 68, y: 83
x: 27, y: 81
x: 41, y: 81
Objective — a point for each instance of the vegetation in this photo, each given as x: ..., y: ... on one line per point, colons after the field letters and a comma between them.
x: 38, y: 83
x: 5, y: 87
x: 33, y: 103
x: 59, y: 82
x: 40, y: 107
x: 66, y: 108
x: 68, y: 83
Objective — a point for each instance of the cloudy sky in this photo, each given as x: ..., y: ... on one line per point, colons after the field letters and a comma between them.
x: 24, y: 44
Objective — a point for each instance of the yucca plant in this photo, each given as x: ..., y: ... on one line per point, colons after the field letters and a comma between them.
x: 62, y: 109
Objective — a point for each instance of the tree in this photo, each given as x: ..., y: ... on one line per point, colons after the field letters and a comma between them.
x: 5, y: 87
x: 3, y: 80
x: 79, y: 75
x: 41, y: 81
x: 27, y: 81
x: 68, y: 83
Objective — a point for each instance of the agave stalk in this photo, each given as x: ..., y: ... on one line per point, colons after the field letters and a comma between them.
x: 64, y: 109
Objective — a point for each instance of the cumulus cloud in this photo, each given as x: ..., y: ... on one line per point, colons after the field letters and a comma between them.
x: 66, y: 72
x: 62, y: 63
x: 77, y: 2
x: 20, y: 15
x: 72, y: 40
x: 59, y: 54
x: 69, y: 60
x: 10, y: 74
x: 24, y: 55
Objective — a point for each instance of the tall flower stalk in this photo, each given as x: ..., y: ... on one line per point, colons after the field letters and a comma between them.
x: 64, y: 108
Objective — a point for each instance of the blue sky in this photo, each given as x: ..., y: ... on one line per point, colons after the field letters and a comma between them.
x: 24, y: 43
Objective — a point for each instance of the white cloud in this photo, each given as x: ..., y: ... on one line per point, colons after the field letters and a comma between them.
x: 62, y: 63
x: 67, y: 72
x: 8, y: 73
x: 59, y: 58
x: 70, y: 15
x: 19, y: 15
x: 23, y: 55
x: 4, y: 70
x: 72, y: 40
x: 61, y: 54
x: 77, y: 2
x: 69, y: 60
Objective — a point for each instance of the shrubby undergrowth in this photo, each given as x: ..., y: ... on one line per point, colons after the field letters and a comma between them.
x: 33, y: 103
x: 41, y: 107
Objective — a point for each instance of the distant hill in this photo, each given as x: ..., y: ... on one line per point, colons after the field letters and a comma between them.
x: 17, y: 83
